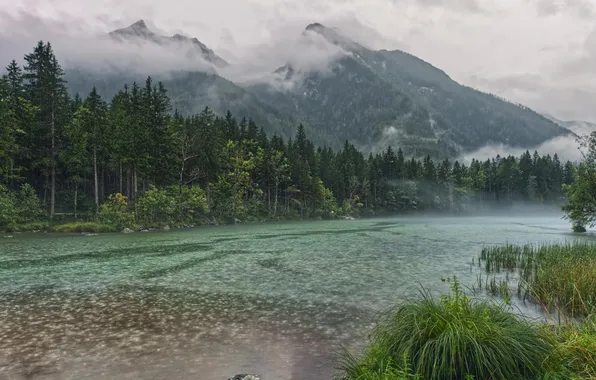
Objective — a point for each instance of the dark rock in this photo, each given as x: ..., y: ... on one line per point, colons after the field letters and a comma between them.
x: 245, y: 377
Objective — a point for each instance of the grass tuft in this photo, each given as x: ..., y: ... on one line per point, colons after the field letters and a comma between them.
x: 84, y: 227
x: 454, y: 337
x: 28, y: 227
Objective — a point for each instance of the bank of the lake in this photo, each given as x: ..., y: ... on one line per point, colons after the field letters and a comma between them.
x: 275, y: 299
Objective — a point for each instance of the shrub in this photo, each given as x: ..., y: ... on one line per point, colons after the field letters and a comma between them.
x: 17, y: 209
x: 114, y: 212
x: 158, y: 207
x: 191, y: 203
x: 28, y: 205
x: 578, y: 228
x: 456, y: 338
x: 8, y: 214
x: 155, y: 208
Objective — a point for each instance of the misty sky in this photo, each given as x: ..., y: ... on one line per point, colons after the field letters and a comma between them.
x: 538, y: 52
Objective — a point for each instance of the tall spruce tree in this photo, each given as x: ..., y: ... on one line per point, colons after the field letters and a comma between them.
x: 46, y: 88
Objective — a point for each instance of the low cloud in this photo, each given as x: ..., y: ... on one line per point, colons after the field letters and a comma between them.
x: 540, y: 53
x: 304, y: 52
x: 566, y: 147
x: 78, y: 47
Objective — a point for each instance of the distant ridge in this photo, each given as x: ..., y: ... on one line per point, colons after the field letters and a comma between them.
x: 139, y: 31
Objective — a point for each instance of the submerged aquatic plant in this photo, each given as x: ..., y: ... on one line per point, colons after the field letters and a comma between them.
x: 454, y: 337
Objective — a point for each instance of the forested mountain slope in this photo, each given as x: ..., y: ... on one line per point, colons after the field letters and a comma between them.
x: 371, y: 98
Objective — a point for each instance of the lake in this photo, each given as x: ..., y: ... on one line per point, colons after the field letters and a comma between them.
x: 279, y: 300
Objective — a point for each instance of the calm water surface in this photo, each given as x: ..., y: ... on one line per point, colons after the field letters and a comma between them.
x: 275, y: 299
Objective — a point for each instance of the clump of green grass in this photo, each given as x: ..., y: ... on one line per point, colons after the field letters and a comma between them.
x: 577, y: 348
x: 27, y: 227
x: 454, y: 337
x: 84, y: 227
x: 376, y: 366
x: 559, y: 276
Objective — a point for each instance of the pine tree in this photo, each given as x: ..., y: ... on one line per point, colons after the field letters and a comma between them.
x: 95, y: 125
x: 46, y: 89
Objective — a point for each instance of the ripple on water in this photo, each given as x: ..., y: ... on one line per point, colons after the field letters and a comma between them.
x: 274, y: 299
x: 44, y: 332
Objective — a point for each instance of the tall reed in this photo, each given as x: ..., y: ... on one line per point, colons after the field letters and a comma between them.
x: 560, y: 276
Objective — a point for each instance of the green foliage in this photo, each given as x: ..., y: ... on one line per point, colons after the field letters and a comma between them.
x: 457, y: 337
x: 578, y: 228
x: 235, y: 185
x: 115, y: 212
x: 8, y: 212
x: 73, y: 150
x: 581, y: 198
x: 19, y: 208
x: 576, y: 349
x: 84, y: 227
x: 155, y: 208
x: 376, y: 366
x: 192, y: 204
x: 28, y: 206
x: 28, y: 227
x: 581, y: 194
x: 172, y: 205
x: 559, y: 276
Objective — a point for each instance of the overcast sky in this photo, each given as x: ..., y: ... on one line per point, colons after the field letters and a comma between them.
x: 538, y: 52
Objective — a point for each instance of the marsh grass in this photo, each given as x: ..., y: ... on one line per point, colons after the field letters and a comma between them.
x: 84, y: 227
x: 561, y: 277
x: 577, y: 348
x: 27, y: 227
x: 454, y: 337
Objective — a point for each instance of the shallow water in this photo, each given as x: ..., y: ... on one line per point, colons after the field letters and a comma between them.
x: 276, y: 299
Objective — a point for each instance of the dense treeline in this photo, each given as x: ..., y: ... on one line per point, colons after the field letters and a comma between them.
x: 136, y: 154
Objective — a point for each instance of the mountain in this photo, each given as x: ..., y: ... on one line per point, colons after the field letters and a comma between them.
x: 372, y: 98
x: 139, y: 32
x: 576, y: 126
x: 379, y: 97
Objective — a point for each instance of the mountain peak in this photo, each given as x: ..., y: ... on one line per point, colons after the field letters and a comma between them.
x: 334, y: 36
x: 139, y: 30
x: 139, y: 25
x: 316, y: 27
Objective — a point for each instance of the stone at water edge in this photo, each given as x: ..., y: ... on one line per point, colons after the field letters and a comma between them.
x: 245, y: 377
x: 166, y: 228
x: 127, y: 231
